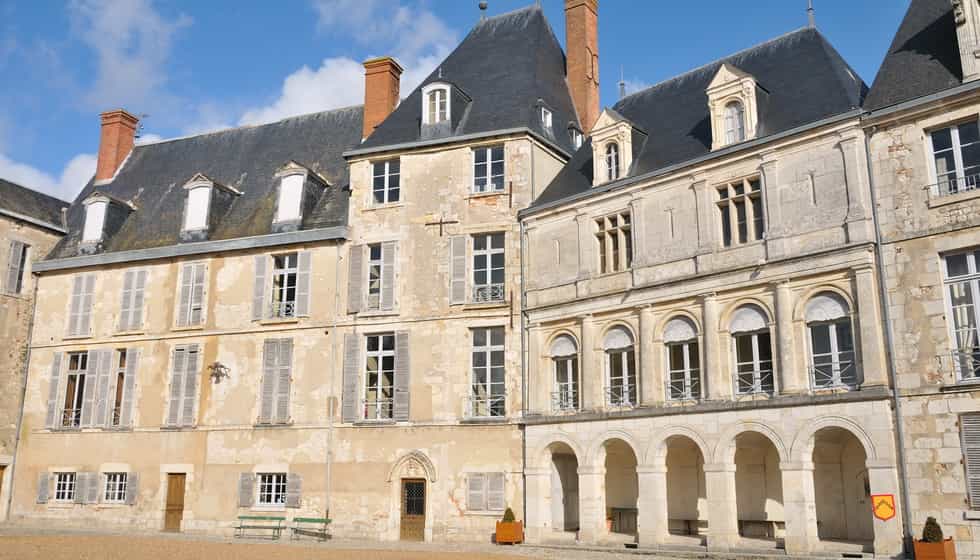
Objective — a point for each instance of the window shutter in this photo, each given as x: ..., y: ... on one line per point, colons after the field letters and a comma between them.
x: 42, y: 488
x: 355, y: 278
x: 351, y: 364
x: 475, y: 492
x: 176, y: 385
x: 94, y: 485
x: 283, y: 379
x: 101, y: 377
x: 132, y: 488
x: 246, y: 490
x: 197, y: 300
x: 81, y: 487
x: 184, y: 304
x: 75, y: 315
x: 14, y: 263
x: 270, y: 359
x: 258, y: 288
x: 402, y: 377
x: 303, y: 284
x: 191, y: 375
x: 85, y: 320
x: 970, y: 434
x: 388, y: 250
x: 136, y: 309
x: 52, y: 419
x: 457, y: 268
x: 129, y: 386
x: 294, y: 490
x: 126, y: 305
x: 495, y: 491
x: 91, y: 387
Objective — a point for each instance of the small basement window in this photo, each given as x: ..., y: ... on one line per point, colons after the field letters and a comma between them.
x: 290, y: 198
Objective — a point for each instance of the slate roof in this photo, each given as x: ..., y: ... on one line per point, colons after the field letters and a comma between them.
x: 804, y: 80
x: 27, y: 202
x: 243, y: 158
x: 922, y: 59
x: 505, y: 65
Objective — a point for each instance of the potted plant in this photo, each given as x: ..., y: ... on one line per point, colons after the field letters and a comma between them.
x: 509, y: 531
x: 933, y: 546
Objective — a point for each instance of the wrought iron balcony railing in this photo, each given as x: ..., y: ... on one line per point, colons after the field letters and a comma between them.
x: 282, y: 309
x: 950, y: 186
x: 827, y: 375
x: 754, y: 382
x: 71, y: 418
x: 564, y: 400
x: 966, y: 364
x: 682, y: 389
x: 378, y: 409
x: 486, y: 406
x: 621, y: 397
x: 487, y: 293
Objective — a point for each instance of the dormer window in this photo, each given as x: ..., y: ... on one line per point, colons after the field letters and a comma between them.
x: 546, y: 118
x: 734, y: 123
x: 206, y: 200
x: 196, y: 213
x: 289, y: 208
x: 612, y: 161
x: 95, y: 210
x: 436, y: 107
x: 575, y: 136
x: 733, y: 106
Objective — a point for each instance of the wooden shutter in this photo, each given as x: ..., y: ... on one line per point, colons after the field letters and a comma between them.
x: 191, y: 375
x: 42, y: 488
x: 283, y: 379
x: 495, y: 491
x: 355, y: 278
x: 457, y: 269
x: 136, y: 309
x: 176, y: 385
x: 246, y: 489
x: 303, y: 284
x: 258, y: 288
x: 197, y: 298
x: 351, y: 365
x: 476, y: 495
x: 103, y: 411
x: 132, y: 488
x: 126, y: 304
x: 270, y: 359
x: 91, y: 387
x: 52, y: 418
x: 402, y: 377
x: 388, y: 250
x: 74, y: 316
x: 970, y: 436
x: 93, y: 489
x: 85, y: 317
x: 294, y: 490
x: 184, y: 303
x: 129, y: 386
x: 81, y: 487
x: 12, y: 281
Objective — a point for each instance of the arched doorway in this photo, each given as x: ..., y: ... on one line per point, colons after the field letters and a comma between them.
x: 686, y: 497
x: 759, y: 489
x: 621, y: 488
x: 842, y: 491
x: 564, y: 488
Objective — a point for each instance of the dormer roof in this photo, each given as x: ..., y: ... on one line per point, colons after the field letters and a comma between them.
x: 201, y: 178
x: 727, y: 73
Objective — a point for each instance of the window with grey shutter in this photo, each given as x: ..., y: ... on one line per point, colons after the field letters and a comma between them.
x: 355, y: 279
x: 42, y: 488
x: 176, y: 385
x: 276, y: 380
x: 351, y: 365
x: 81, y: 487
x: 970, y: 437
x: 457, y: 269
x: 192, y: 289
x: 51, y: 421
x: 246, y: 490
x: 93, y: 487
x: 183, y: 386
x: 284, y: 379
x: 191, y: 375
x: 16, y: 264
x: 303, y: 285
x: 132, y: 488
x: 270, y: 361
x: 136, y: 310
x: 495, y: 491
x: 129, y: 386
x: 102, y: 375
x: 402, y: 377
x: 388, y: 250
x: 131, y: 306
x: 294, y: 490
x: 96, y: 359
x: 258, y: 288
x: 476, y: 492
x: 80, y: 316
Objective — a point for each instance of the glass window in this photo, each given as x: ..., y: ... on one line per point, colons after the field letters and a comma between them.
x: 956, y: 153
x: 753, y: 363
x: 564, y: 358
x: 962, y: 289
x: 285, y: 269
x: 684, y: 366
x: 734, y: 123
x: 75, y: 389
x: 387, y: 181
x: 196, y: 214
x: 115, y: 488
x: 614, y: 234
x: 290, y: 198
x: 117, y: 397
x: 272, y: 489
x: 488, y: 267
x: 621, y: 381
x: 94, y: 220
x: 832, y: 362
x: 488, y: 388
x: 437, y: 106
x: 612, y: 161
x: 379, y: 377
x: 64, y: 487
x: 546, y: 118
x: 741, y: 212
x: 375, y: 264
x: 488, y: 169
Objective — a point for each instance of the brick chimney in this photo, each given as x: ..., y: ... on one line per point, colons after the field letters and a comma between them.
x: 582, y: 52
x: 382, y: 77
x: 115, y: 143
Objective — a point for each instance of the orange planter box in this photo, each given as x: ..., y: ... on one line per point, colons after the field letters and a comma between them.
x: 945, y: 550
x: 510, y: 533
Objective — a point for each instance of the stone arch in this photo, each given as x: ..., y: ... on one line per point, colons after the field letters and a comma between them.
x: 613, y: 326
x: 803, y: 444
x: 725, y: 448
x: 799, y: 311
x: 542, y: 455
x: 725, y: 319
x: 409, y: 458
x: 596, y: 447
x: 557, y: 334
x: 657, y: 450
x: 677, y: 314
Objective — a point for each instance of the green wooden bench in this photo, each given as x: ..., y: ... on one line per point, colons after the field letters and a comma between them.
x: 259, y: 523
x: 310, y: 527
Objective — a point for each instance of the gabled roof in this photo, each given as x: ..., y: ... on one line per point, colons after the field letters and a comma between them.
x: 245, y: 159
x: 804, y: 80
x: 505, y: 65
x: 22, y: 201
x: 923, y: 58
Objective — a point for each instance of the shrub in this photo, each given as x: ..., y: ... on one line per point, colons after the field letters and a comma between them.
x: 509, y: 518
x: 932, y: 532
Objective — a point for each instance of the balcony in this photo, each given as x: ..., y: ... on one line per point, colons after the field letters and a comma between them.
x: 564, y: 400
x: 681, y: 389
x: 486, y: 406
x: 282, y: 309
x: 621, y: 397
x: 951, y: 186
x: 754, y: 382
x: 827, y: 375
x: 378, y: 410
x: 966, y: 364
x: 488, y: 293
x: 71, y: 418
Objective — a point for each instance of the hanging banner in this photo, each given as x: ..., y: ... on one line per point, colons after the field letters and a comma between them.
x: 883, y: 506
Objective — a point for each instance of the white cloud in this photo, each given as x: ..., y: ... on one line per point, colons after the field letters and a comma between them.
x: 73, y: 177
x: 338, y: 82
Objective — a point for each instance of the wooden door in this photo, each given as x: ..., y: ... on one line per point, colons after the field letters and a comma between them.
x: 413, y: 509
x: 174, y: 512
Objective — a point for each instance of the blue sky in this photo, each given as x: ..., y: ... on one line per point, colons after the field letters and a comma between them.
x: 198, y: 66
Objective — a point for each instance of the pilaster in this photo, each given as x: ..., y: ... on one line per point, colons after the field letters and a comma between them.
x: 800, y: 507
x: 719, y: 386
x: 652, y: 516
x: 719, y: 479
x: 858, y: 220
x: 538, y: 515
x: 870, y: 329
x: 883, y: 479
x: 792, y: 376
x: 585, y: 245
x: 591, y: 508
x: 591, y: 375
x: 651, y: 372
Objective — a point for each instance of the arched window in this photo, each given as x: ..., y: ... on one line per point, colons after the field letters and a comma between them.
x: 564, y: 359
x: 734, y: 123
x: 683, y: 359
x: 437, y: 105
x: 620, y: 367
x: 831, y: 341
x: 612, y: 161
x: 752, y: 350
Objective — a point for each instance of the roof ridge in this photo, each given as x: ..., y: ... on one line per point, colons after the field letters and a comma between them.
x: 34, y: 191
x: 720, y: 60
x: 247, y: 126
x: 528, y: 8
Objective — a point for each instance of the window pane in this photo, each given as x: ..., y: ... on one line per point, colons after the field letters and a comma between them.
x: 942, y: 140
x: 497, y: 241
x: 957, y: 265
x: 765, y: 349
x: 845, y: 341
x: 757, y: 217
x: 743, y: 230
x: 969, y: 133
x: 743, y: 348
x: 971, y: 157
x: 820, y: 339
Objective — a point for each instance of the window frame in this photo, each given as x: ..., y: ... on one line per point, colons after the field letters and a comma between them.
x: 65, y: 490
x: 691, y: 375
x: 440, y: 115
x: 616, y: 249
x: 205, y: 212
x: 547, y: 119
x: 752, y: 201
x: 279, y: 218
x: 958, y: 357
x: 488, y: 291
x: 95, y: 215
x: 489, y: 186
x: 734, y: 116
x: 493, y: 402
x: 485, y: 492
x: 119, y: 371
x: 382, y: 408
x: 758, y: 373
x: 838, y: 379
x: 613, y: 161
x: 960, y: 181
x: 71, y: 418
x: 629, y: 388
x: 566, y: 395
x: 387, y: 188
x: 280, y: 306
x: 114, y: 487
x: 272, y: 486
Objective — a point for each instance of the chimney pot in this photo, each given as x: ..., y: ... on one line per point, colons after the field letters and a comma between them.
x: 115, y: 142
x: 382, y: 77
x: 582, y: 54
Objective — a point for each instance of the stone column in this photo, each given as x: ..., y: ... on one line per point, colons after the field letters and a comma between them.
x: 585, y: 246
x: 537, y: 381
x: 591, y: 503
x: 591, y: 375
x: 719, y: 386
x: 792, y: 375
x: 857, y: 222
x: 800, y: 507
x: 769, y: 169
x: 538, y: 515
x: 638, y: 229
x: 883, y: 479
x: 652, y: 504
x: 719, y: 481
x: 651, y: 374
x: 707, y: 229
x: 869, y: 329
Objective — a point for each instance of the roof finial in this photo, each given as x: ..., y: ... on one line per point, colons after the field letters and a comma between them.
x: 440, y: 72
x: 810, y: 19
x: 622, y: 83
x: 483, y: 10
